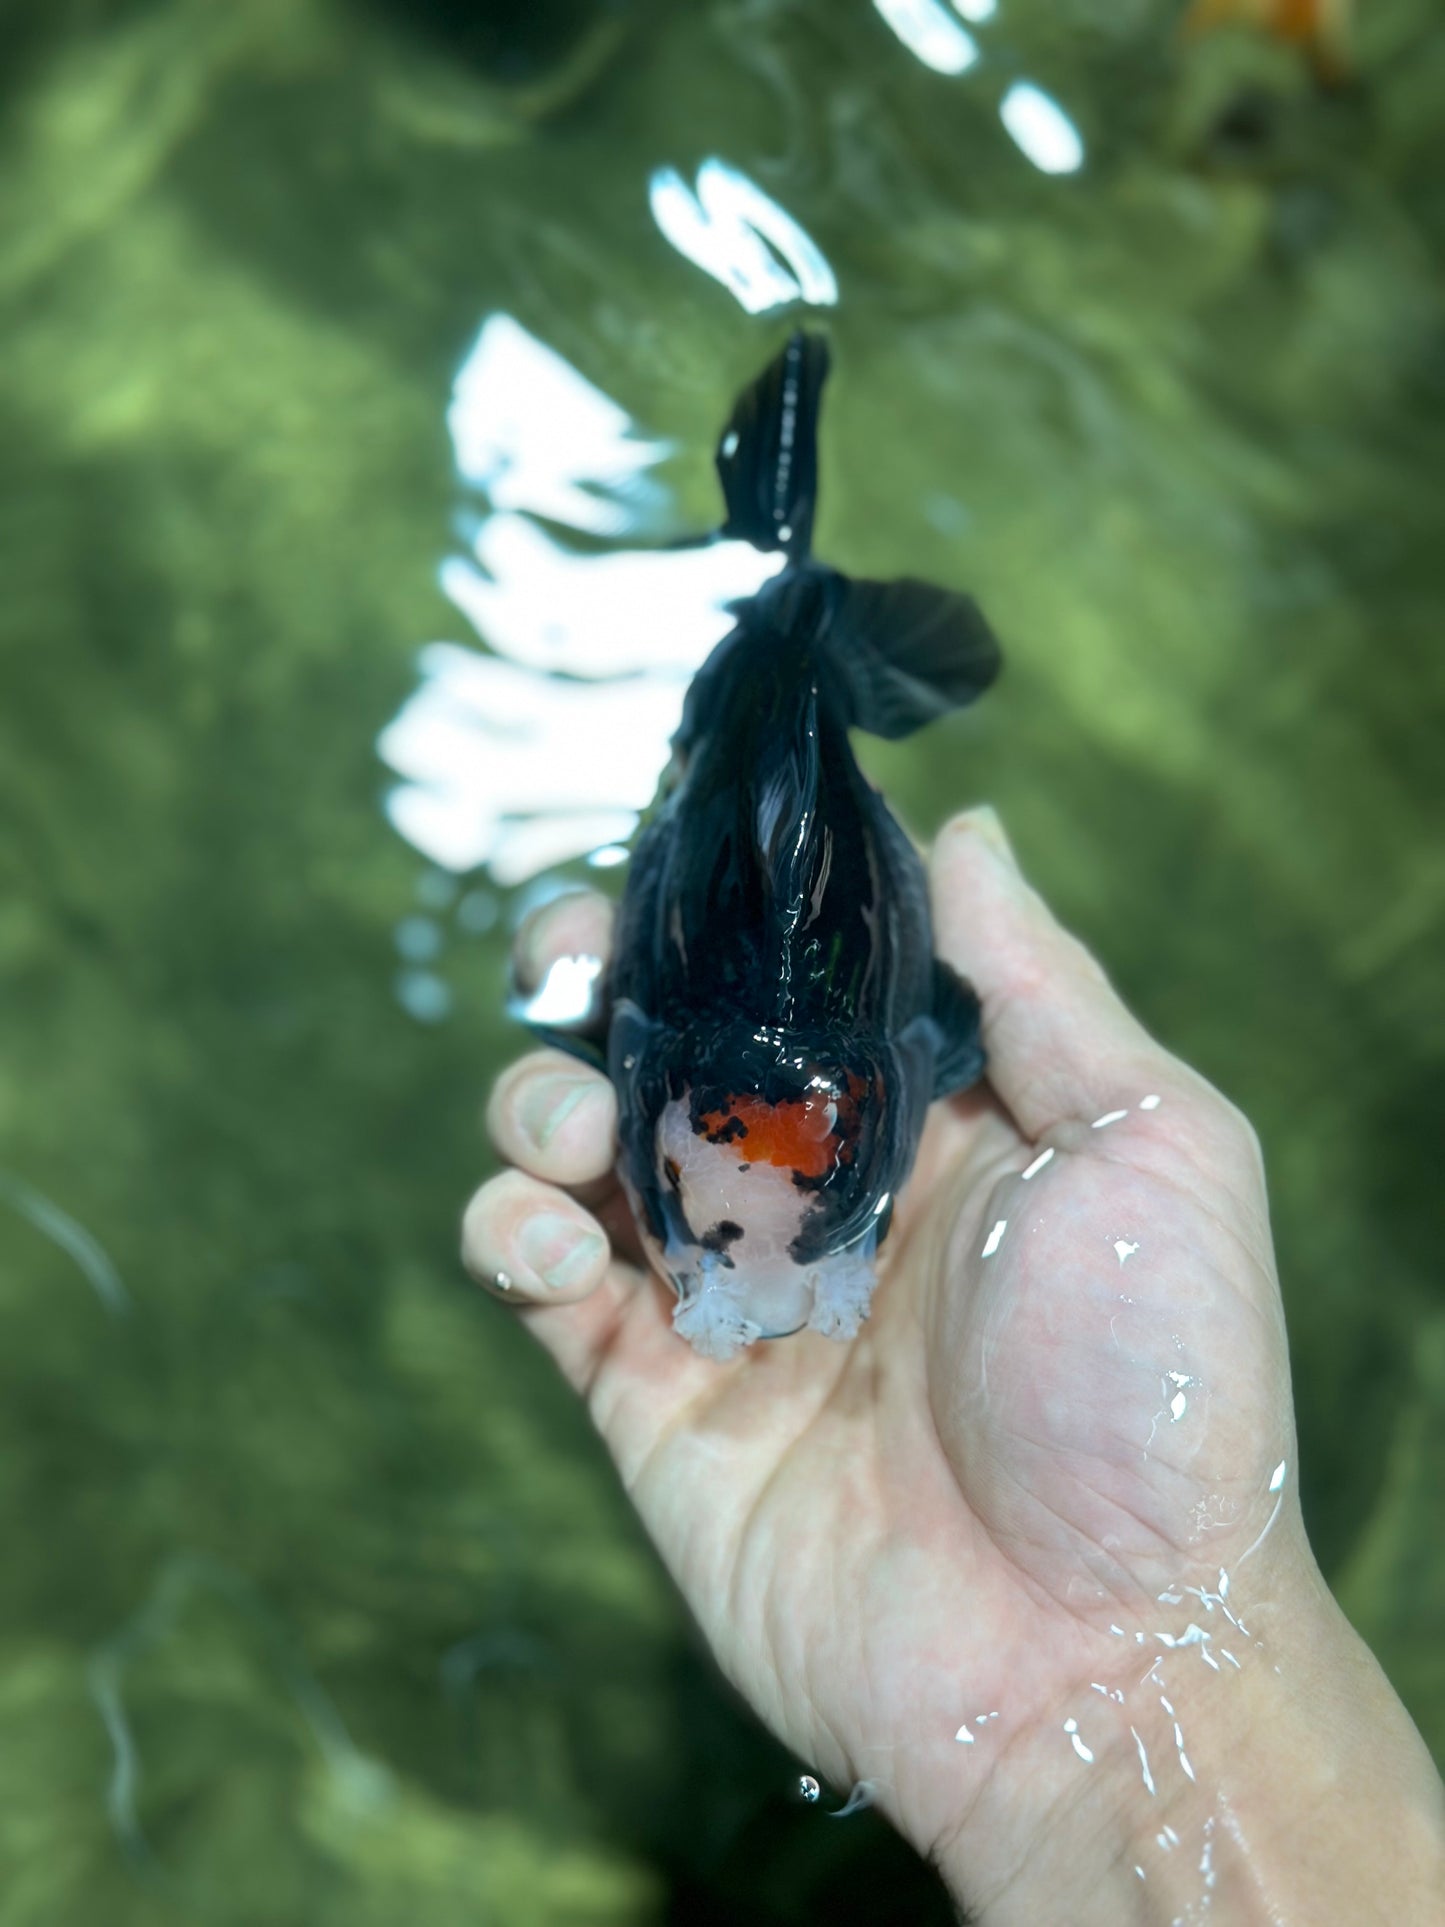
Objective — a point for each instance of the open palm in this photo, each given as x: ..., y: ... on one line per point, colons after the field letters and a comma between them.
x: 917, y: 1554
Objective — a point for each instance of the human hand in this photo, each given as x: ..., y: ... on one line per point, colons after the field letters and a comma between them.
x: 1026, y: 1557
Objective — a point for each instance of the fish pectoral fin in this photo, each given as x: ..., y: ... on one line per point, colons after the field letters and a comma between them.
x: 906, y: 652
x: 960, y: 1059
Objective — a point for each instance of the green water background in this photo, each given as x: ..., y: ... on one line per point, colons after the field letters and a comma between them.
x: 317, y: 1600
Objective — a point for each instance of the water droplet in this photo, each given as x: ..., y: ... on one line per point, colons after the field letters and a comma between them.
x: 418, y: 939
x: 435, y: 889
x: 1041, y: 128
x: 423, y: 996
x: 478, y: 912
x: 858, y: 1799
x: 926, y: 30
x: 808, y: 1788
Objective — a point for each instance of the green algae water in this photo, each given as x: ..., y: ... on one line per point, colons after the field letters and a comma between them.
x: 318, y: 1602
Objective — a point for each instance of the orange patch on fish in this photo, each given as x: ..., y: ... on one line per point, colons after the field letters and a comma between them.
x: 809, y: 1135
x: 798, y: 1136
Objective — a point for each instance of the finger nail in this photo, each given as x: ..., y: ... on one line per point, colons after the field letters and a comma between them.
x: 545, y: 1103
x: 984, y: 822
x: 532, y: 948
x: 560, y: 1251
x: 528, y: 959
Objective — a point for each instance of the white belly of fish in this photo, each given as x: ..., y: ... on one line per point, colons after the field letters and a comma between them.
x: 742, y: 1283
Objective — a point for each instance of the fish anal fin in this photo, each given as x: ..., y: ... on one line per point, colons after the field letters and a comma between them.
x: 906, y: 652
x: 956, y: 1018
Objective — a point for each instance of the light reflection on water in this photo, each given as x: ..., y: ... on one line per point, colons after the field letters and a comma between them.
x: 1033, y: 120
x: 728, y: 226
x: 533, y: 433
x: 1041, y: 129
x: 71, y: 1237
x: 928, y: 30
x: 548, y: 746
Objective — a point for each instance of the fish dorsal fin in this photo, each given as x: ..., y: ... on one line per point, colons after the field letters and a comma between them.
x: 787, y: 831
x: 905, y: 652
x: 767, y: 459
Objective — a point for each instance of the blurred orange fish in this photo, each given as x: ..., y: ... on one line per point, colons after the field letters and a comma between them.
x: 1321, y: 28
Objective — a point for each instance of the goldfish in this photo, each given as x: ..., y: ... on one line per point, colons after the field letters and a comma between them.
x: 774, y: 1018
x: 1320, y: 28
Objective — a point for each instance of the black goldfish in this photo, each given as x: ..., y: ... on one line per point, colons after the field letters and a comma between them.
x: 777, y: 1022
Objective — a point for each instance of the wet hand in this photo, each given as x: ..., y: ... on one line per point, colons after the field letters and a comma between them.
x: 1024, y: 1557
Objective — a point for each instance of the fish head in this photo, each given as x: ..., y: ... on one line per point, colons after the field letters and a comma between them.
x: 775, y: 1156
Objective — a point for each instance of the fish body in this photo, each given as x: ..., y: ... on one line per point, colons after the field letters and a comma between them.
x: 777, y: 1020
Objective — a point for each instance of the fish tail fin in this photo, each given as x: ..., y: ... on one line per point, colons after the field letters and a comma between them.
x: 904, y: 652
x: 767, y: 459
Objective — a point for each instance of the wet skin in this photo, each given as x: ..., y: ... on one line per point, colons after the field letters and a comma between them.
x: 952, y: 1516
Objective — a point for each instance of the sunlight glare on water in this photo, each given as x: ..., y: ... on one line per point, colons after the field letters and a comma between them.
x: 929, y: 31
x: 503, y: 763
x: 536, y: 435
x: 736, y: 233
x: 546, y: 607
x: 1041, y: 129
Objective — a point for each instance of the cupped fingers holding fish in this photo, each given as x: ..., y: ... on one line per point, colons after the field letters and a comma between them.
x: 540, y: 1251
x: 532, y: 1243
